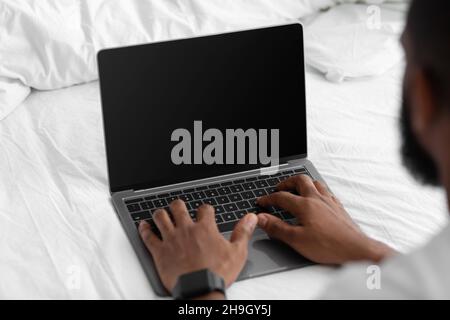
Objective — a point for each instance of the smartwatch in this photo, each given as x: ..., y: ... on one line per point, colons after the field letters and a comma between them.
x: 197, y: 283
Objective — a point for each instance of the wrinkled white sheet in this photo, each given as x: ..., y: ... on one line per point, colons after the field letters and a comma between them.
x: 60, y: 237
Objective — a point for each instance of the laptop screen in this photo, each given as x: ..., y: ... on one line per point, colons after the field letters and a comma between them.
x: 188, y: 109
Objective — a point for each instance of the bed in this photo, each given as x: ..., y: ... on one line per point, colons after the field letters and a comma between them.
x: 60, y: 237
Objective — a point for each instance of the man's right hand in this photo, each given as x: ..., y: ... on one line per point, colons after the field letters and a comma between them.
x: 325, y: 232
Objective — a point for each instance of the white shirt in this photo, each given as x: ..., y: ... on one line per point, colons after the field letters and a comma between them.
x: 422, y: 274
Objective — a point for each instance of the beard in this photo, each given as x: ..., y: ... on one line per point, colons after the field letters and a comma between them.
x: 414, y: 157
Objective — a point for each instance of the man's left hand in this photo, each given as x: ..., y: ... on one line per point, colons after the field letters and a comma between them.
x: 188, y: 246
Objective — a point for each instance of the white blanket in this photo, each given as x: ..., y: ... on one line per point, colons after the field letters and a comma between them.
x: 60, y: 237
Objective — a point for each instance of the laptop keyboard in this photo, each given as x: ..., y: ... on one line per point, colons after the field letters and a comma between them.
x: 231, y: 199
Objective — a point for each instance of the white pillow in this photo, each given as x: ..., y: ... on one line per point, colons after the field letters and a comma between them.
x: 50, y: 44
x: 344, y: 42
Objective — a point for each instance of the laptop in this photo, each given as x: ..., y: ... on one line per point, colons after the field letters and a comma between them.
x: 152, y: 94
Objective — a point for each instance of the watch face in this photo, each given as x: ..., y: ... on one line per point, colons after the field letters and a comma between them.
x: 198, y: 283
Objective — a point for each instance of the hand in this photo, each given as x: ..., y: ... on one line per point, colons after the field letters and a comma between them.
x: 326, y: 233
x: 188, y: 246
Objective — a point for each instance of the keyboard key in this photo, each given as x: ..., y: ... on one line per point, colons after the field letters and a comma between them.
x: 240, y: 214
x: 300, y: 170
x: 227, y: 226
x: 228, y: 183
x: 176, y: 193
x: 134, y: 207
x: 276, y: 174
x: 141, y: 215
x: 159, y: 203
x: 195, y: 204
x: 163, y: 195
x: 287, y: 215
x: 261, y: 184
x: 170, y: 199
x: 214, y: 186
x: 282, y: 178
x: 271, y: 190
x: 218, y: 218
x: 288, y: 172
x: 228, y: 216
x: 260, y: 192
x: 243, y: 205
x: 236, y: 188
x: 273, y: 181
x: 188, y: 190
x: 133, y: 200
x: 199, y: 195
x: 219, y: 209
x: 269, y: 210
x: 224, y: 190
x: 186, y: 197
x: 150, y: 198
x: 238, y: 181
x: 249, y: 186
x: 235, y: 197
x: 193, y: 214
x: 210, y: 201
x: 247, y: 195
x: 201, y: 188
x: 211, y: 193
x: 251, y: 179
x: 230, y: 207
x: 147, y: 205
x: 222, y: 199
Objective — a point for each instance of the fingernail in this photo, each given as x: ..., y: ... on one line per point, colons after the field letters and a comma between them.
x: 262, y: 220
x: 142, y: 223
x: 251, y: 221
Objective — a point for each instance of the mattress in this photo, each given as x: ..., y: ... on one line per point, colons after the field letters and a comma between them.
x: 60, y: 237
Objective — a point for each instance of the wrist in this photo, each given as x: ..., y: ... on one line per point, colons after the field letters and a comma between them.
x: 377, y: 251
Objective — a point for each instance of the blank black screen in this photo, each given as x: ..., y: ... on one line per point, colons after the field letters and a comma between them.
x: 248, y: 79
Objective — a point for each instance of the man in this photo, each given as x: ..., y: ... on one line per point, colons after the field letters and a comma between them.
x: 326, y: 233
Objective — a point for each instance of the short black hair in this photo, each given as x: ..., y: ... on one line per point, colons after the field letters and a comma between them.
x: 428, y: 29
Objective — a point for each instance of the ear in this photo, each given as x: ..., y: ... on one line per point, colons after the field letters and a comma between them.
x: 424, y: 108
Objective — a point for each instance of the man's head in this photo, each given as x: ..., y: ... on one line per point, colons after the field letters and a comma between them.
x: 425, y: 118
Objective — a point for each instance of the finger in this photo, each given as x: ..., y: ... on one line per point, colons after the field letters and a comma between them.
x: 283, y: 200
x: 180, y: 213
x: 205, y: 214
x: 301, y: 183
x: 278, y: 229
x: 150, y: 240
x: 323, y: 190
x: 244, y: 229
x: 163, y: 222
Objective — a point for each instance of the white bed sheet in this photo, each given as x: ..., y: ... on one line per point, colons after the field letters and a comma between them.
x: 57, y: 224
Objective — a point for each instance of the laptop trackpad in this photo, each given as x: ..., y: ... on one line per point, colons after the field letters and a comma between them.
x: 267, y: 256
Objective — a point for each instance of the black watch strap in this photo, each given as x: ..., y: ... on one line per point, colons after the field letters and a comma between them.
x: 197, y: 283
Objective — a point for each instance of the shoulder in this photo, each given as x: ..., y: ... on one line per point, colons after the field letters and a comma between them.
x: 422, y: 274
